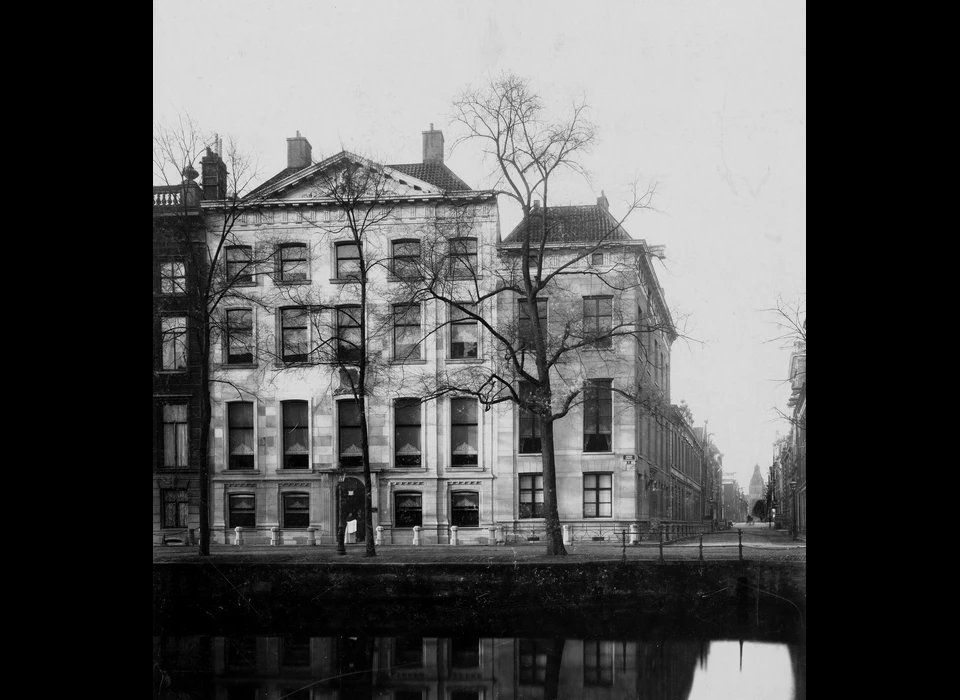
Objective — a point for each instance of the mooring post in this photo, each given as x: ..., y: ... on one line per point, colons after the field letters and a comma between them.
x: 378, y: 539
x: 239, y: 538
x: 416, y: 535
x: 634, y: 533
x: 273, y: 535
x: 312, y: 536
x: 740, y: 542
x: 453, y: 535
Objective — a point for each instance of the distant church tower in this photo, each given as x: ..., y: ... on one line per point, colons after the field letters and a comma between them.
x: 757, y: 489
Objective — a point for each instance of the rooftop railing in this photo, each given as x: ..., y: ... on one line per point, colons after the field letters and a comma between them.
x: 170, y: 198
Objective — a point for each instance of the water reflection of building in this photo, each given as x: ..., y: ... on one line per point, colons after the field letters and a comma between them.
x: 429, y: 668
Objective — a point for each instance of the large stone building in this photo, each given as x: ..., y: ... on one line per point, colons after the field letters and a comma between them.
x: 284, y: 450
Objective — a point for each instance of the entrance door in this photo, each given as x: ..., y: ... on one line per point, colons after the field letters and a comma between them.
x: 352, y: 504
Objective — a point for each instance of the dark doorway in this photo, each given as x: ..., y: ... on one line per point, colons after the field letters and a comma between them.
x: 353, y: 503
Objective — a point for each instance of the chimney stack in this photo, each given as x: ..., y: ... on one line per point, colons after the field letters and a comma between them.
x: 214, y: 172
x: 299, y: 152
x: 433, y: 146
x: 602, y: 201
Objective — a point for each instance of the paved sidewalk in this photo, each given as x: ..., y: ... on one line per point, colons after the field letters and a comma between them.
x: 771, y: 545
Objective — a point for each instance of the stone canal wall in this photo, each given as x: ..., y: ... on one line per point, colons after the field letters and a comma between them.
x: 341, y: 594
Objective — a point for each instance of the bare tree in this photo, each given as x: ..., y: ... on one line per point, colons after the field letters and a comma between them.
x: 790, y: 321
x: 548, y: 360
x: 193, y: 227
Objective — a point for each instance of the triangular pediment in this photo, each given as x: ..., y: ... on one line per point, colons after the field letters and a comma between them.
x: 310, y: 183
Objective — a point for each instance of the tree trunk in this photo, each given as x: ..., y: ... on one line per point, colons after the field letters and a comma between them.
x: 369, y: 546
x: 203, y: 448
x: 551, y: 690
x: 552, y: 515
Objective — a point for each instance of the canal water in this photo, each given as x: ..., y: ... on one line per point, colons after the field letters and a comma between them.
x: 652, y: 662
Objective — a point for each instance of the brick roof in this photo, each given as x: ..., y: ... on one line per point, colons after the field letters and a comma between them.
x: 584, y: 223
x: 435, y: 173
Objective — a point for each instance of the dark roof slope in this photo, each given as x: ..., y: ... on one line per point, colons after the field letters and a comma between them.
x: 286, y: 172
x: 584, y: 223
x: 435, y: 173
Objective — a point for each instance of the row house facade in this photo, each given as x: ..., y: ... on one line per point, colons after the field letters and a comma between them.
x: 284, y: 444
x: 179, y: 259
x: 286, y: 428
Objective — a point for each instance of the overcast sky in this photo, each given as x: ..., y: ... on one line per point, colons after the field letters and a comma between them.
x: 708, y: 99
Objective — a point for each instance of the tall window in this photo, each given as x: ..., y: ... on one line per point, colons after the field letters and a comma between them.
x: 406, y: 258
x: 465, y: 652
x: 294, y: 331
x: 531, y: 495
x: 526, y: 330
x: 597, y: 495
x: 240, y: 428
x: 349, y: 347
x: 242, y: 510
x: 173, y: 331
x: 529, y: 424
x: 174, y: 507
x: 408, y: 653
x: 598, y: 320
x: 296, y: 452
x: 464, y: 440
x: 463, y: 257
x: 175, y: 434
x: 173, y: 277
x: 295, y: 652
x: 407, y: 433
x: 406, y: 332
x: 348, y: 413
x: 296, y: 510
x: 408, y: 509
x: 348, y: 261
x: 293, y: 262
x: 239, y: 336
x: 465, y: 511
x: 239, y: 259
x: 533, y: 661
x: 598, y: 416
x: 463, y: 332
x: 597, y: 662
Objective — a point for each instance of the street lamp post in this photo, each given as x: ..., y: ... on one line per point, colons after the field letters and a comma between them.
x: 341, y: 547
